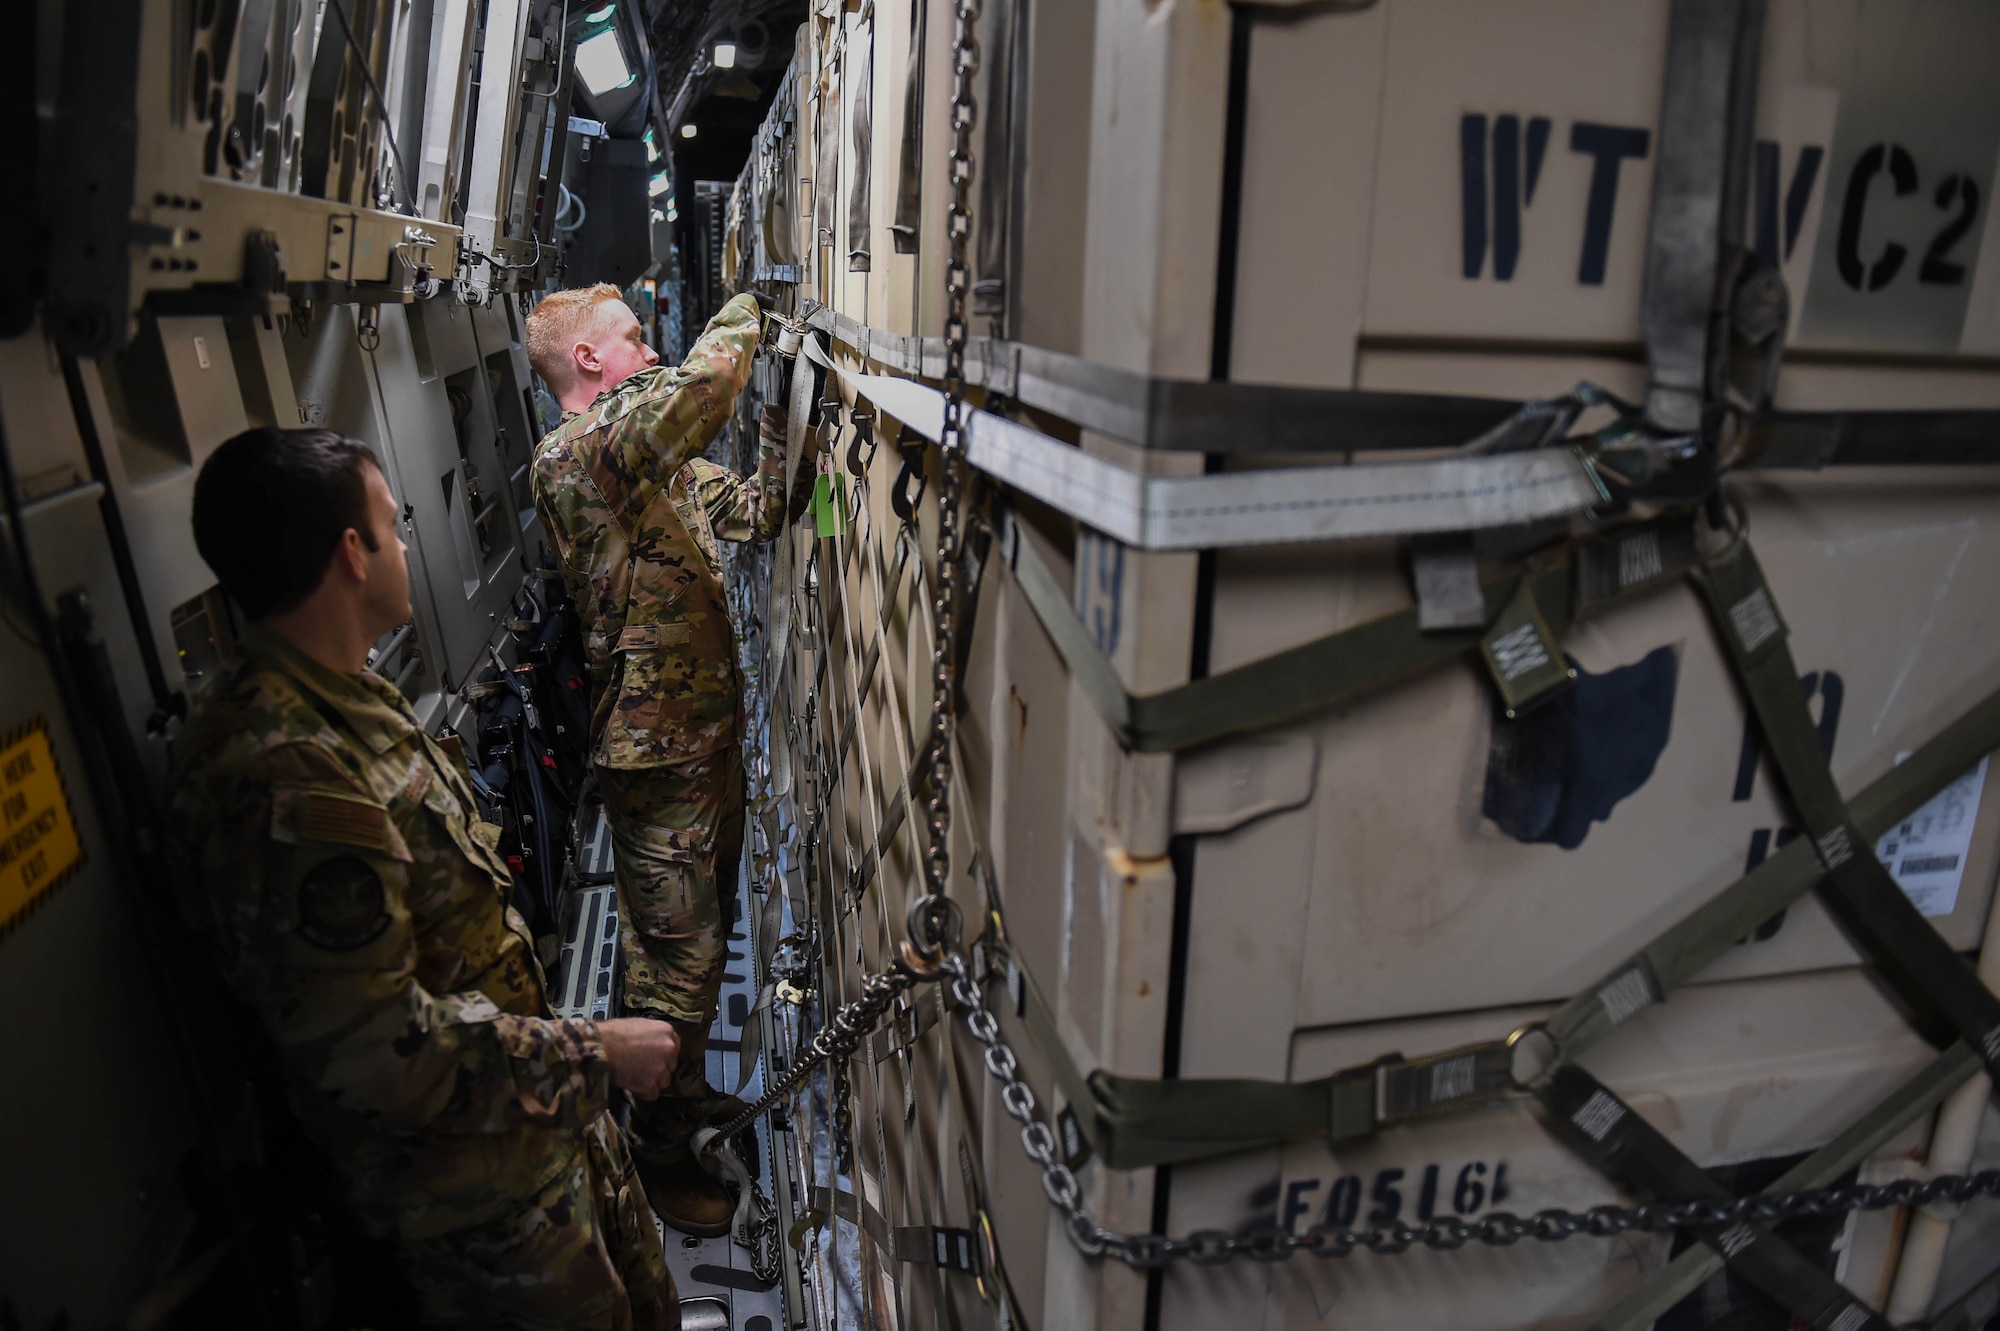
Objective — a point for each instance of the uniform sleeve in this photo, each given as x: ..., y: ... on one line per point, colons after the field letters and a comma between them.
x: 571, y: 540
x: 315, y: 885
x: 754, y: 509
x: 658, y: 437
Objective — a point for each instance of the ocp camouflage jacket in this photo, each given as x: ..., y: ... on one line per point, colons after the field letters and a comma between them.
x: 332, y: 852
x: 634, y: 512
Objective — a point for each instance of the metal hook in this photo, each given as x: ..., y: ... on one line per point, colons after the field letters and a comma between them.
x: 829, y: 419
x: 864, y: 432
x: 900, y: 498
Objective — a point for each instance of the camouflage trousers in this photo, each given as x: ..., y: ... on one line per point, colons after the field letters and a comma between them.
x: 677, y: 842
x: 583, y: 1255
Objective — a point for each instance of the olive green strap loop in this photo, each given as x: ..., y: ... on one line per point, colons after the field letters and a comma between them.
x: 1858, y: 891
x: 1134, y: 1122
x: 1605, y: 1130
x: 1547, y: 594
x: 1916, y: 1097
x: 1713, y: 928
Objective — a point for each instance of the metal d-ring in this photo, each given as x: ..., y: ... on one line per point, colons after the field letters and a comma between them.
x: 987, y: 1279
x: 934, y: 927
x: 1512, y: 1044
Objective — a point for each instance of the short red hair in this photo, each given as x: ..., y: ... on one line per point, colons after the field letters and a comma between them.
x: 558, y: 323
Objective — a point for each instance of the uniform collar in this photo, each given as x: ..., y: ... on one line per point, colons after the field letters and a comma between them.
x: 370, y: 705
x: 640, y: 379
x: 603, y: 396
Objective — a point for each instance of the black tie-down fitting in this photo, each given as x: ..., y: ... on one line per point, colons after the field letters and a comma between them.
x: 826, y: 417
x: 911, y: 445
x: 862, y: 439
x: 783, y: 336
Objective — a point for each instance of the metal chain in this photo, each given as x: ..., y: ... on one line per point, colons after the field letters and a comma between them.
x: 931, y: 930
x: 840, y: 1037
x: 1216, y: 1247
x: 763, y: 1236
x: 934, y: 919
x: 843, y: 1116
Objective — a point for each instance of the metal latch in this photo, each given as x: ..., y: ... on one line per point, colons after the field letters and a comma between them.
x: 340, y: 229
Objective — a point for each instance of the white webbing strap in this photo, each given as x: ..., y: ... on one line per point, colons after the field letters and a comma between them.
x: 1270, y: 507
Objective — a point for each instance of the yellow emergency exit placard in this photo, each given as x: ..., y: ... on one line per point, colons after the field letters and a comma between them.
x: 39, y: 846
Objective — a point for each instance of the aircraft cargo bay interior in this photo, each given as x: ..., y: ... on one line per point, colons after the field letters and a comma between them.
x: 1052, y: 665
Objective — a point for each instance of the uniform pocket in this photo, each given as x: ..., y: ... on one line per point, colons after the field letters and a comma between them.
x: 660, y: 875
x: 681, y: 846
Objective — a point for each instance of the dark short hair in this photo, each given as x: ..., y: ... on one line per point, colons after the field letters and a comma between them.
x: 271, y: 505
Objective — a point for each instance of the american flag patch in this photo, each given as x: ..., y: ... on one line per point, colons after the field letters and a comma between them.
x: 344, y: 820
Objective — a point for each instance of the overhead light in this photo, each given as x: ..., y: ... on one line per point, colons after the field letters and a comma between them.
x: 658, y: 185
x: 673, y: 213
x: 725, y: 55
x: 689, y: 131
x: 601, y: 15
x: 652, y: 147
x: 659, y: 216
x: 601, y: 63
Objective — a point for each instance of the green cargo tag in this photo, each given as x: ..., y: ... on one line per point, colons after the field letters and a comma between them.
x: 1522, y: 655
x: 829, y: 503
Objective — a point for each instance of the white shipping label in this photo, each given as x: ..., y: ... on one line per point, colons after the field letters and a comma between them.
x: 1925, y: 853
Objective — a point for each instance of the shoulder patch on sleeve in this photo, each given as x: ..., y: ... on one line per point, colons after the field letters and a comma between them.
x: 342, y: 905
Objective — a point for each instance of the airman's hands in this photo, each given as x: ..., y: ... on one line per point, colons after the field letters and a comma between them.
x: 642, y: 1052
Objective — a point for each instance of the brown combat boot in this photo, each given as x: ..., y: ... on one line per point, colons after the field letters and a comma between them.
x: 683, y: 1194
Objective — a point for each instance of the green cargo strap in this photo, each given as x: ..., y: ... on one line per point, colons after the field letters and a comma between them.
x: 994, y: 958
x: 1870, y: 1133
x: 1564, y: 585
x: 1859, y: 892
x: 1522, y: 655
x: 1788, y: 874
x: 1133, y: 1122
x: 1146, y: 1122
x: 1621, y: 1143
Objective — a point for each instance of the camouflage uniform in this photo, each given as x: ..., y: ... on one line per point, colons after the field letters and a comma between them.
x: 332, y: 852
x: 635, y: 513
